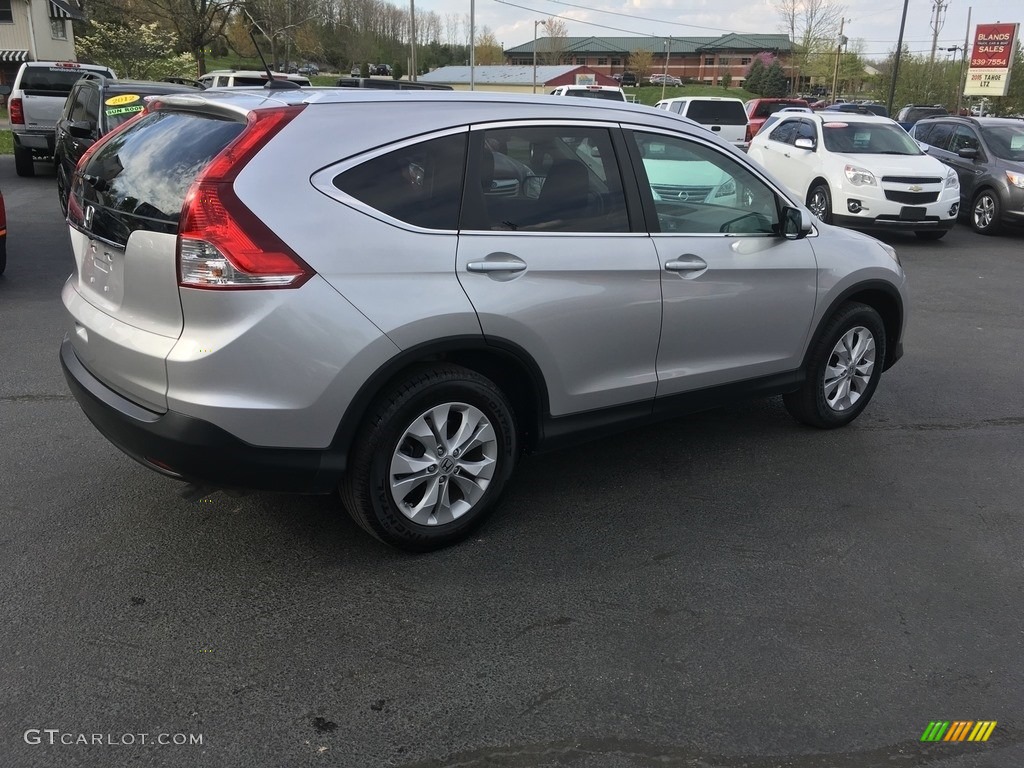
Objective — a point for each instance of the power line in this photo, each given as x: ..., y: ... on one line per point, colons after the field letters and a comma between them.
x: 640, y: 18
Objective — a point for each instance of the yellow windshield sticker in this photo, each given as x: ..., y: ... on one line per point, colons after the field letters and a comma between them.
x: 126, y: 98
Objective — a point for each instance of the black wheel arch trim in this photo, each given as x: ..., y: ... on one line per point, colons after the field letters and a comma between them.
x: 444, y: 350
x: 894, y: 342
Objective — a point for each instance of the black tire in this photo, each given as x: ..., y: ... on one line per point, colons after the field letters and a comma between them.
x: 809, y: 404
x: 63, y: 190
x: 24, y: 165
x: 986, y: 213
x: 820, y: 189
x: 366, y: 489
x: 931, y: 234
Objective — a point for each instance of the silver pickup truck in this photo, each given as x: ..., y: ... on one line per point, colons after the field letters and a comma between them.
x: 36, y: 100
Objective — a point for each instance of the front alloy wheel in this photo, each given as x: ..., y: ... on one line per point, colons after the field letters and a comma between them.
x: 849, y: 369
x: 985, y: 213
x: 819, y: 201
x: 842, y: 369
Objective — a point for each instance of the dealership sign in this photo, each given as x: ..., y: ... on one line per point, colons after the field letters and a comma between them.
x: 991, y: 60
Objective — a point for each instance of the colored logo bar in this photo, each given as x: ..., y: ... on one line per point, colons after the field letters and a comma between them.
x: 958, y: 730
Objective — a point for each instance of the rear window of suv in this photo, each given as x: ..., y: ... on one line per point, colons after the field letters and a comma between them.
x: 717, y: 112
x: 589, y: 94
x: 53, y: 80
x: 139, y: 179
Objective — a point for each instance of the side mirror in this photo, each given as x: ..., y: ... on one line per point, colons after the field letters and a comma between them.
x: 804, y: 143
x: 967, y: 153
x: 82, y: 129
x: 796, y: 223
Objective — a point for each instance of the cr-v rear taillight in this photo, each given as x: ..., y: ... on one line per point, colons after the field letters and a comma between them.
x: 221, y: 243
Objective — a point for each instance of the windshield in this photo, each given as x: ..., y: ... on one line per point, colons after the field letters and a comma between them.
x: 868, y: 139
x: 1005, y: 141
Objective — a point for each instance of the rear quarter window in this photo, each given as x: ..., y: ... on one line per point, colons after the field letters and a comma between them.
x: 717, y: 112
x: 139, y: 179
x: 420, y: 184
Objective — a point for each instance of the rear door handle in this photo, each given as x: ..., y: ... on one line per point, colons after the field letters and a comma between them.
x: 687, y: 263
x: 503, y: 265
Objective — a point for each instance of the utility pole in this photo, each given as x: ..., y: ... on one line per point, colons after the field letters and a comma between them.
x: 963, y: 64
x: 664, y: 75
x: 472, y: 45
x: 840, y: 42
x: 937, y: 20
x: 896, y: 59
x: 412, y: 42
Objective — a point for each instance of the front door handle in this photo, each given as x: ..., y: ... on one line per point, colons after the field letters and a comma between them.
x: 502, y: 265
x: 686, y: 263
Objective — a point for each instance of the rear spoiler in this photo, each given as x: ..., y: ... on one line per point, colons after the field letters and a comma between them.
x: 393, y: 85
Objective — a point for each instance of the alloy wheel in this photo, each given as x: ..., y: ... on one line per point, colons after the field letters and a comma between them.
x: 443, y: 464
x: 849, y: 368
x: 984, y: 212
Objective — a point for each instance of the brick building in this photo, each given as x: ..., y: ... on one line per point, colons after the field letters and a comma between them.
x: 699, y: 59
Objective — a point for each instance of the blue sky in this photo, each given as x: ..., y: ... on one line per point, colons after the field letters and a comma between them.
x: 875, y: 22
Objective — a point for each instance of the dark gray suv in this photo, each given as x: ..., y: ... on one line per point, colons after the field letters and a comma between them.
x: 988, y: 156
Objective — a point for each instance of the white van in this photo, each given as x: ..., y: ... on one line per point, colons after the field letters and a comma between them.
x: 229, y: 78
x: 719, y: 114
x: 610, y: 92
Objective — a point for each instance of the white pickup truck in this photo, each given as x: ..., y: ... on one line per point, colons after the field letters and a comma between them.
x: 36, y: 100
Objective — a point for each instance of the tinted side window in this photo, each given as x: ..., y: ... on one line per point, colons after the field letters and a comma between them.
x: 164, y: 151
x: 786, y: 133
x: 939, y: 135
x: 549, y: 179
x: 698, y: 190
x: 677, y: 107
x: 921, y: 131
x: 420, y: 184
x: 964, y: 138
x: 806, y: 130
x: 717, y: 112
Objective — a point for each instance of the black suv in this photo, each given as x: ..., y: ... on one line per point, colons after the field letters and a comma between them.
x: 911, y: 113
x: 95, y: 106
x: 987, y: 154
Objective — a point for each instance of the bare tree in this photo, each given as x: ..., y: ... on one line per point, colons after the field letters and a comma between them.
x: 552, y: 48
x: 488, y: 49
x: 812, y: 25
x: 196, y: 23
x: 640, y: 62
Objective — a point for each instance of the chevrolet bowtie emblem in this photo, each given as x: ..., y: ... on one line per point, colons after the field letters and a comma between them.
x: 915, y: 188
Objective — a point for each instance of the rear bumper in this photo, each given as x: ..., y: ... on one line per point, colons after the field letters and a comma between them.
x: 38, y: 142
x: 191, y: 449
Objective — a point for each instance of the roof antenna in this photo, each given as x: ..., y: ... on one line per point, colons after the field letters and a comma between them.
x: 272, y: 83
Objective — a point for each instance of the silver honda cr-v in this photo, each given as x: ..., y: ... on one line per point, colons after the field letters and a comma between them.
x: 266, y: 298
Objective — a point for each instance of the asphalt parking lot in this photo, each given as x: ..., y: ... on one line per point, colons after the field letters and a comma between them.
x: 728, y: 590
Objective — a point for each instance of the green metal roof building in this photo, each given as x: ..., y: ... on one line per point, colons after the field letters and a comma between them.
x: 701, y: 59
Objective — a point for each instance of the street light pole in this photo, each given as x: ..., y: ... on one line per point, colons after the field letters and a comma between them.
x: 535, y: 23
x: 963, y: 56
